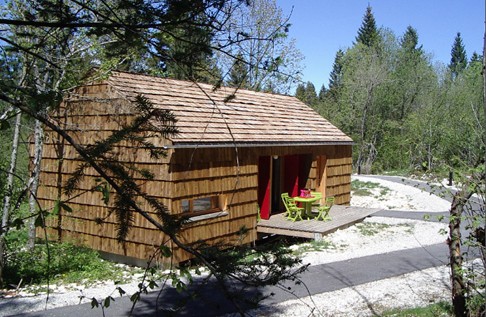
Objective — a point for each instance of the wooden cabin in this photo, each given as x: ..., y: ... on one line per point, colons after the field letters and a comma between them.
x: 225, y: 168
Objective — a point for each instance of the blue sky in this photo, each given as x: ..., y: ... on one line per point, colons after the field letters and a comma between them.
x: 321, y: 27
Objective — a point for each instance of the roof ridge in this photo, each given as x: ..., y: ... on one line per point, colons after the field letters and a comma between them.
x: 209, y: 86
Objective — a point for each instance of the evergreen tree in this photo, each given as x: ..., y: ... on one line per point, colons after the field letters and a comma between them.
x: 307, y: 93
x: 238, y: 76
x: 458, y: 56
x: 411, y: 75
x: 476, y: 58
x: 300, y: 92
x: 409, y: 40
x: 368, y: 33
x: 322, y: 93
x: 310, y: 94
x: 337, y: 71
x: 188, y: 52
x: 335, y: 78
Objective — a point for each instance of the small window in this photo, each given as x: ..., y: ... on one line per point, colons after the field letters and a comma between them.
x: 201, y: 205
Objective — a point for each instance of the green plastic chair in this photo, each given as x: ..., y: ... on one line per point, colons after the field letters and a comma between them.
x: 323, y: 211
x: 318, y: 202
x: 293, y: 212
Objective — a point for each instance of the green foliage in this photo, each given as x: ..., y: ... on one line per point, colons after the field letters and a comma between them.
x: 22, y: 167
x: 441, y: 309
x: 360, y: 188
x: 266, y: 264
x: 307, y: 93
x: 313, y: 246
x: 476, y: 304
x: 368, y: 32
x: 64, y: 262
x: 409, y: 41
x: 337, y: 71
x: 371, y: 229
x: 402, y: 111
x: 238, y: 76
x: 188, y: 48
x: 458, y: 56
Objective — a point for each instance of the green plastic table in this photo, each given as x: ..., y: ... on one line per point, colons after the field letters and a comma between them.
x: 307, y: 201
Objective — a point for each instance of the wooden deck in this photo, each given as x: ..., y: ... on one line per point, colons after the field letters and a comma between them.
x: 341, y: 217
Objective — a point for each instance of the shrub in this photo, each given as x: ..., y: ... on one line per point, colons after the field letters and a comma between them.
x: 58, y: 261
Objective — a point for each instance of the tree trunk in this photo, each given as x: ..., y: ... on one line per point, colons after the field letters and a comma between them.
x: 59, y: 146
x: 34, y: 180
x: 363, y: 133
x: 483, y: 180
x: 457, y: 278
x: 9, y: 192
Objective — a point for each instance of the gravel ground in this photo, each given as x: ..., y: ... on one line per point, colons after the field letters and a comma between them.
x: 371, y: 299
x: 374, y: 235
x: 377, y: 235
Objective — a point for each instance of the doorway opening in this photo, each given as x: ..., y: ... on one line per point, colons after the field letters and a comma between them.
x: 277, y: 175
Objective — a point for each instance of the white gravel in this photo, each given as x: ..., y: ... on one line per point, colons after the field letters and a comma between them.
x: 399, y: 197
x: 374, y: 236
x: 409, y: 290
x: 382, y: 235
x: 377, y: 235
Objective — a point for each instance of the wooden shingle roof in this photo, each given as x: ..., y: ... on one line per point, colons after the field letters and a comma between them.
x: 251, y: 118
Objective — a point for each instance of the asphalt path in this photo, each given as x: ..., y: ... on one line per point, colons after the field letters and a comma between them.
x: 317, y: 279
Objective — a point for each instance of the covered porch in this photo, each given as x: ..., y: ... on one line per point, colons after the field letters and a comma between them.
x: 341, y: 217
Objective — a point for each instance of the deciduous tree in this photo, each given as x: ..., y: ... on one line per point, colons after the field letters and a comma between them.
x: 262, y: 43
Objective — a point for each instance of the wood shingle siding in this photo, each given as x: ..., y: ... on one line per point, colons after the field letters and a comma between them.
x: 216, y: 154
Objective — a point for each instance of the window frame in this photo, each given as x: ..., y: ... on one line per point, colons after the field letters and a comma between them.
x: 215, y: 202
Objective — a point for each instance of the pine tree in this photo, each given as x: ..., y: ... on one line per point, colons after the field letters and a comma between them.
x: 368, y: 33
x: 476, y: 58
x: 300, y: 92
x: 458, y: 56
x: 409, y: 40
x: 322, y: 93
x: 306, y: 93
x: 189, y: 56
x: 310, y: 94
x: 337, y: 71
x: 408, y: 75
x: 238, y: 76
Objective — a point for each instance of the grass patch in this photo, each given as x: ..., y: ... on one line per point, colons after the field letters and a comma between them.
x: 441, y: 309
x: 371, y: 228
x: 63, y: 263
x: 313, y: 246
x: 384, y: 191
x: 361, y: 188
